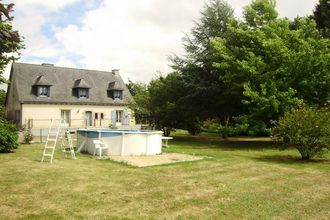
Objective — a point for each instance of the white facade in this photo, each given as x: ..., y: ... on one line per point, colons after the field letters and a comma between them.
x: 77, y: 116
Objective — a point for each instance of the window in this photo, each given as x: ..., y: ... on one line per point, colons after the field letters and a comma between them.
x: 117, y: 94
x: 82, y: 93
x: 102, y: 116
x: 43, y: 91
x: 96, y: 115
x: 66, y: 116
x: 119, y: 116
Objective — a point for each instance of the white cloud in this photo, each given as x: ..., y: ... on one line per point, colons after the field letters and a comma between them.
x: 114, y: 36
x: 133, y: 36
x: 52, y: 5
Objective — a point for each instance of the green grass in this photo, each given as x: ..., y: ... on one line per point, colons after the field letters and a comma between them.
x: 238, y: 179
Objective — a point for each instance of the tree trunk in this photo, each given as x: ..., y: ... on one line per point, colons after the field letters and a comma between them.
x: 305, y: 157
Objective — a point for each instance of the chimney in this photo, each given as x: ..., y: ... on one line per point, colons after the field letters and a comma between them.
x: 115, y: 72
x: 47, y: 64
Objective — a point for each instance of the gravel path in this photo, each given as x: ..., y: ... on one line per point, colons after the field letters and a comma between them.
x: 153, y: 160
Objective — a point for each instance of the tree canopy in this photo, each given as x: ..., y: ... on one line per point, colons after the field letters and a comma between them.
x: 251, y: 70
x: 322, y: 17
x: 10, y: 41
x: 270, y: 67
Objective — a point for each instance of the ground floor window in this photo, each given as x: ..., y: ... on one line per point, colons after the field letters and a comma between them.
x: 119, y: 116
x: 66, y: 116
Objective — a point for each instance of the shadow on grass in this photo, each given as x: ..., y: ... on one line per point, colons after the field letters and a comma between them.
x: 7, y: 151
x: 290, y: 159
x: 229, y: 144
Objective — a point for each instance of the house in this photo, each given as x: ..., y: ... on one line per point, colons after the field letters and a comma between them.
x: 82, y: 98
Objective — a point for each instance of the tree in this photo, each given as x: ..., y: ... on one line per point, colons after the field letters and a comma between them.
x: 200, y: 78
x: 10, y: 44
x: 322, y: 17
x: 10, y: 41
x: 8, y: 136
x: 2, y: 103
x: 271, y: 67
x: 141, y: 104
x: 306, y: 129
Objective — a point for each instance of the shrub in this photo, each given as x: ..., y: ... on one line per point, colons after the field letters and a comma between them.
x: 194, y: 127
x: 28, y: 136
x: 307, y: 129
x: 8, y: 136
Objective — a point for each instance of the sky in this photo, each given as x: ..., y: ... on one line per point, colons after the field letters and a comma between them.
x: 136, y: 37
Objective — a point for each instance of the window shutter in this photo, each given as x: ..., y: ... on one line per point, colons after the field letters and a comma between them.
x: 125, y: 119
x: 113, y: 117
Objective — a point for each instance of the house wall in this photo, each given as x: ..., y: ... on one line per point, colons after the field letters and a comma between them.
x: 40, y: 115
x: 13, y: 106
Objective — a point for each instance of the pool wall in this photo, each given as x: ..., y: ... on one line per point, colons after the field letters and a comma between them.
x: 122, y: 142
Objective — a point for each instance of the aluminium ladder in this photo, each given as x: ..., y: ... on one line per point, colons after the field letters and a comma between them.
x: 55, y: 131
x: 69, y: 142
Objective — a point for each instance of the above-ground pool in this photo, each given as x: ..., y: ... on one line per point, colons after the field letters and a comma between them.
x: 121, y: 142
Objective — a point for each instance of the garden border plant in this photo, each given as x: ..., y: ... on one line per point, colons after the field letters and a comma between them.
x: 307, y: 129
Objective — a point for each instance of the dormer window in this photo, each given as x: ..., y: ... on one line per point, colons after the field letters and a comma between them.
x: 41, y: 86
x: 117, y: 94
x: 43, y: 91
x: 115, y: 90
x: 83, y: 93
x: 81, y: 89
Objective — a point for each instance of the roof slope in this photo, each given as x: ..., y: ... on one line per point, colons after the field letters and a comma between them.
x: 63, y: 81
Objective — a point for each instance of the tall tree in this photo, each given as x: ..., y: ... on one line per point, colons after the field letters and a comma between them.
x: 201, y: 79
x: 10, y: 44
x: 271, y: 67
x: 10, y: 41
x: 322, y: 17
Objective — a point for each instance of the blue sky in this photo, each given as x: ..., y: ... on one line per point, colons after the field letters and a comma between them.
x: 133, y: 36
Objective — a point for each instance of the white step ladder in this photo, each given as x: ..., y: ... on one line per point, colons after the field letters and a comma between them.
x: 69, y: 143
x: 55, y: 131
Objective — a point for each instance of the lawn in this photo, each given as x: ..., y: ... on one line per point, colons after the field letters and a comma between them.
x: 242, y: 178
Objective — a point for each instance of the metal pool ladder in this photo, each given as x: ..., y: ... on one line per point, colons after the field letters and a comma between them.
x: 55, y: 131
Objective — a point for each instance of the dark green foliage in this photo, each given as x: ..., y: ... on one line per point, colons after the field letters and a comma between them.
x: 2, y: 103
x: 8, y: 136
x: 271, y: 65
x: 244, y: 74
x: 200, y: 78
x: 240, y: 126
x: 141, y: 104
x: 28, y: 136
x: 322, y: 17
x: 10, y: 44
x: 307, y: 129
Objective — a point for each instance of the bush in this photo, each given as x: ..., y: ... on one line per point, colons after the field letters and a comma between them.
x: 28, y: 136
x: 8, y: 136
x: 307, y: 129
x: 194, y: 127
x: 242, y: 126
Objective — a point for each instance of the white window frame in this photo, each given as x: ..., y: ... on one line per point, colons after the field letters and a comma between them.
x: 66, y: 116
x: 43, y: 91
x: 119, y: 116
x: 83, y: 93
x: 117, y: 94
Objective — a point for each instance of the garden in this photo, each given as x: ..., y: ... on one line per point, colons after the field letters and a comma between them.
x: 238, y: 178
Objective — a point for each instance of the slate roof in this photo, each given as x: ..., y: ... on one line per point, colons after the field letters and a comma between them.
x: 42, y: 81
x: 62, y: 82
x: 115, y: 86
x: 81, y: 83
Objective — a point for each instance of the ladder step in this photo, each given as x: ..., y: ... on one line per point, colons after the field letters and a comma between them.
x: 51, y: 140
x: 49, y: 147
x: 48, y: 155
